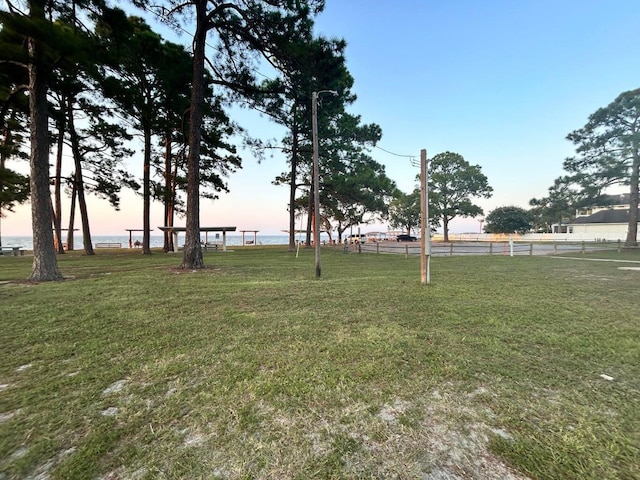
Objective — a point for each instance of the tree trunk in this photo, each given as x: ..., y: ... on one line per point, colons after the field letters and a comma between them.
x: 72, y: 218
x: 3, y: 157
x: 45, y: 262
x: 445, y: 226
x: 57, y: 213
x: 293, y: 184
x: 168, y: 204
x: 172, y: 211
x: 146, y: 193
x: 192, y: 258
x: 632, y: 231
x: 79, y: 182
x: 310, y: 222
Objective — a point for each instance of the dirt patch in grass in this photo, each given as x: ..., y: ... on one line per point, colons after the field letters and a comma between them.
x: 403, y: 439
x: 423, y: 438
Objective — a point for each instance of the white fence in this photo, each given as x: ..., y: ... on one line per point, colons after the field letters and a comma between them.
x: 532, y: 237
x: 474, y: 247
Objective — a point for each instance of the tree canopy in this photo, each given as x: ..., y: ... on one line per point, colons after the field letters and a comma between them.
x: 452, y: 184
x: 404, y: 211
x: 39, y: 47
x: 509, y: 219
x: 608, y: 153
x: 242, y: 31
x: 87, y: 78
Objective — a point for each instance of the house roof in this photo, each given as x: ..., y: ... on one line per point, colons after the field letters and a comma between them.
x: 619, y: 199
x: 604, y: 216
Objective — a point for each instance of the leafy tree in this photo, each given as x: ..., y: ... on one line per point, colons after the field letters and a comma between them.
x: 404, y: 211
x: 174, y: 97
x: 48, y: 46
x: 241, y: 29
x: 355, y: 188
x: 306, y: 64
x: 14, y: 187
x: 136, y: 88
x: 154, y: 97
x: 508, y: 219
x: 38, y: 34
x: 558, y: 207
x: 96, y: 142
x: 608, y: 148
x: 452, y: 182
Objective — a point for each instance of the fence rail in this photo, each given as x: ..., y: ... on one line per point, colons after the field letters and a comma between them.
x: 447, y: 249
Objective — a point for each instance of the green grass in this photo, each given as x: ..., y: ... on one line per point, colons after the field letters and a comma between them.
x: 252, y: 368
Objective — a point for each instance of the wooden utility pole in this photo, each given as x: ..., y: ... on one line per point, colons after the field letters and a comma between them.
x: 316, y: 176
x: 316, y: 182
x: 425, y: 230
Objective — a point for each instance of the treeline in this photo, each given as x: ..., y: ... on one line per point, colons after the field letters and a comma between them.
x: 607, y: 155
x: 81, y: 79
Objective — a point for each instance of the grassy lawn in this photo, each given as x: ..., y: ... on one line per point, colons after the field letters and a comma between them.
x: 253, y: 369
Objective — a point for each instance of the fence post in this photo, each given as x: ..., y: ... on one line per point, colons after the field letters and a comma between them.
x: 406, y: 251
x: 531, y: 249
x: 451, y: 249
x: 555, y: 248
x: 490, y: 248
x: 510, y: 246
x: 582, y: 251
x: 377, y: 247
x: 619, y: 244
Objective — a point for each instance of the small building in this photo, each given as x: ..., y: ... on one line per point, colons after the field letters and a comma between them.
x: 608, y: 222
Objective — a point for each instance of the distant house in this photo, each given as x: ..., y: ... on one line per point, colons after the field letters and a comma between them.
x: 605, y: 222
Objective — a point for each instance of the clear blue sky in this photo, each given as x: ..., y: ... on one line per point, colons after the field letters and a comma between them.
x: 500, y: 82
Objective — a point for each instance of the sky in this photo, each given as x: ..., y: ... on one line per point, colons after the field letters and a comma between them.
x: 501, y: 82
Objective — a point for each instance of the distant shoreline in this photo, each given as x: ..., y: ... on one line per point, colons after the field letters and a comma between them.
x: 26, y: 241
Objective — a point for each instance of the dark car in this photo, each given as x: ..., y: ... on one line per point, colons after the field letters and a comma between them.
x: 406, y: 238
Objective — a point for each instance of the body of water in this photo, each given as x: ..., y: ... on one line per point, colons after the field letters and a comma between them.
x: 155, y: 241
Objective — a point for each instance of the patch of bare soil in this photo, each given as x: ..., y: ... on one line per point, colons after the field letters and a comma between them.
x: 448, y: 439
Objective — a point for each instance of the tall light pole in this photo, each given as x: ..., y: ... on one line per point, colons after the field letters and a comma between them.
x: 316, y: 176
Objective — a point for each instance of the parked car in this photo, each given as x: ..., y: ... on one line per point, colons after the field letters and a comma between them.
x: 362, y: 238
x: 406, y: 238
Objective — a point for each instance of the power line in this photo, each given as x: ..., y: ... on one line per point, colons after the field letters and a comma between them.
x: 412, y: 158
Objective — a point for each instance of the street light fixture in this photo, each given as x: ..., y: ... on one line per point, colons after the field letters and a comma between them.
x: 316, y: 175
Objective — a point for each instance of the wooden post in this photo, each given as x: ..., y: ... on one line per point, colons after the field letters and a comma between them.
x: 316, y: 181
x: 425, y: 234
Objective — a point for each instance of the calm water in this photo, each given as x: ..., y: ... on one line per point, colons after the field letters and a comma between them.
x: 155, y: 241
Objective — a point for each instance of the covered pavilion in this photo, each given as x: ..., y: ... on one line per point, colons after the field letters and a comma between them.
x: 175, y: 230
x: 131, y: 230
